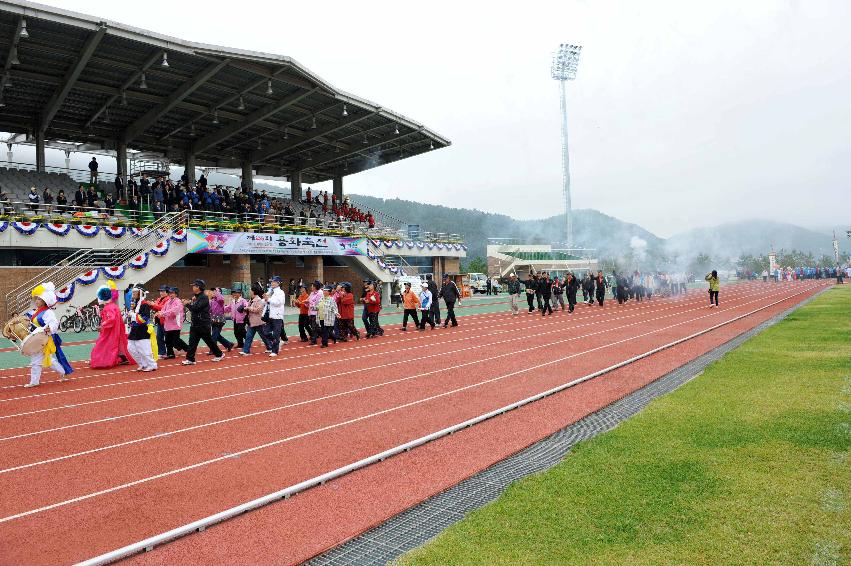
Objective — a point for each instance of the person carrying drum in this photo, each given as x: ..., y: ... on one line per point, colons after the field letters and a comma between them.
x: 43, y: 320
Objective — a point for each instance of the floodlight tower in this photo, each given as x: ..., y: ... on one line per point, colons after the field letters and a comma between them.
x: 565, y: 62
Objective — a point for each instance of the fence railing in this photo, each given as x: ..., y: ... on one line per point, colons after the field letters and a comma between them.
x: 211, y: 220
x: 68, y: 269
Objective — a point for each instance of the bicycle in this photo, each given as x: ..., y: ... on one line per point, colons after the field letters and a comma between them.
x: 86, y: 317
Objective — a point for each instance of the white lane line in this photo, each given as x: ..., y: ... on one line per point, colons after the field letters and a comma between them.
x: 360, y: 389
x: 514, y: 329
x: 348, y: 422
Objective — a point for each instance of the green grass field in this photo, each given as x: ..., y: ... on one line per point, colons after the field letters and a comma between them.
x: 746, y: 464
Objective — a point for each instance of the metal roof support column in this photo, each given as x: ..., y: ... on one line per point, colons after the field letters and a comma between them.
x: 39, y: 150
x: 121, y: 161
x: 247, y: 174
x: 189, y: 166
x: 338, y: 187
x: 295, y: 186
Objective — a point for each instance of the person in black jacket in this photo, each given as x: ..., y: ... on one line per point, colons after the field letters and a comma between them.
x: 538, y: 284
x: 80, y: 198
x: 531, y: 289
x: 449, y: 293
x: 435, y: 302
x: 600, y: 283
x: 201, y: 325
x: 558, y: 293
x: 588, y: 288
x: 571, y: 286
x: 545, y: 293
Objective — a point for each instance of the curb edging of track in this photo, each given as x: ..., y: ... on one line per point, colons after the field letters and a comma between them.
x: 423, y: 522
x: 201, y: 524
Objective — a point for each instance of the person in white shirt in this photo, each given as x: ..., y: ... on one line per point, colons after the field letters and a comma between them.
x: 277, y: 300
x: 425, y: 307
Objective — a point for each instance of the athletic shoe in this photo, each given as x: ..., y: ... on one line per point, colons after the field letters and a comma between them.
x: 230, y: 347
x: 187, y: 363
x: 150, y: 369
x: 170, y: 357
x: 219, y: 358
x: 403, y: 329
x: 273, y: 355
x: 32, y: 385
x: 245, y: 353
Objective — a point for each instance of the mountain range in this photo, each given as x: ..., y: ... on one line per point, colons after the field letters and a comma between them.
x: 609, y: 237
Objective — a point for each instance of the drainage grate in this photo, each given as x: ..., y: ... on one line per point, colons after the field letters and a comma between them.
x: 418, y: 525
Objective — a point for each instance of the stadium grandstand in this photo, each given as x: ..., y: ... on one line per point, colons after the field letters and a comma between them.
x: 158, y: 105
x: 505, y: 258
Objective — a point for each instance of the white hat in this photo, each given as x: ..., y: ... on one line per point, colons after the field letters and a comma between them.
x: 46, y: 292
x: 425, y: 285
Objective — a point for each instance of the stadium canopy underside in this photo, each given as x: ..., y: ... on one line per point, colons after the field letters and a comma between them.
x: 68, y: 76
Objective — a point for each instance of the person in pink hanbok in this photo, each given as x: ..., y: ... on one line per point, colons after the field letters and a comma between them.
x: 110, y: 348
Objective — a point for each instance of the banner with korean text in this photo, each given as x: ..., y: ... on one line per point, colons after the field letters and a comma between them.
x: 271, y: 244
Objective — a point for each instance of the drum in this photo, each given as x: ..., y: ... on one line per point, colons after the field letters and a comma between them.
x: 17, y: 328
x: 34, y: 343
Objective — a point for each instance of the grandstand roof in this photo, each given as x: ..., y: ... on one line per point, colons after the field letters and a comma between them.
x: 79, y: 78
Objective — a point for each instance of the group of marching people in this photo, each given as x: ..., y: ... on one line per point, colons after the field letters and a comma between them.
x: 546, y: 294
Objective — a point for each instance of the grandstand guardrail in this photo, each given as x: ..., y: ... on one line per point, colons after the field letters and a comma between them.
x: 17, y: 211
x: 68, y: 269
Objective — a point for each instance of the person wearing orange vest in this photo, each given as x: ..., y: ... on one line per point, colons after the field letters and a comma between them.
x: 411, y: 302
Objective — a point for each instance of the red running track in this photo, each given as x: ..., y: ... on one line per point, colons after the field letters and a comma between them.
x: 113, y: 457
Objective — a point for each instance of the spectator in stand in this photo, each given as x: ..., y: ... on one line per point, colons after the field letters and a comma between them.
x: 34, y: 199
x: 238, y: 312
x: 200, y: 325
x: 309, y: 197
x: 370, y: 220
x: 5, y: 203
x: 93, y: 170
x: 450, y: 293
x: 411, y: 302
x: 158, y: 193
x: 80, y: 198
x: 133, y: 207
x: 119, y: 187
x: 47, y: 200
x: 255, y: 320
x: 61, y: 202
x: 91, y: 198
x: 109, y: 205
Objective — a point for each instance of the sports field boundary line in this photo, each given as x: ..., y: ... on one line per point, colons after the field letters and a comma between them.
x: 201, y: 524
x: 426, y: 520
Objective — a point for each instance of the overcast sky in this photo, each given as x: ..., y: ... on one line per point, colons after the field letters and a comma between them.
x: 683, y: 113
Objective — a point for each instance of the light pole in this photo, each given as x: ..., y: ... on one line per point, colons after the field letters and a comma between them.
x: 565, y: 62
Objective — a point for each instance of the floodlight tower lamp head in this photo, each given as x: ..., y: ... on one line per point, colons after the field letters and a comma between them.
x: 565, y: 62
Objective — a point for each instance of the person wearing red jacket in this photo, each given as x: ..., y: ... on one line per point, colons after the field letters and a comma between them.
x: 372, y: 299
x: 346, y: 306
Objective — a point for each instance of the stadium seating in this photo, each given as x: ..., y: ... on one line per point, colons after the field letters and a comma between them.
x: 16, y: 183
